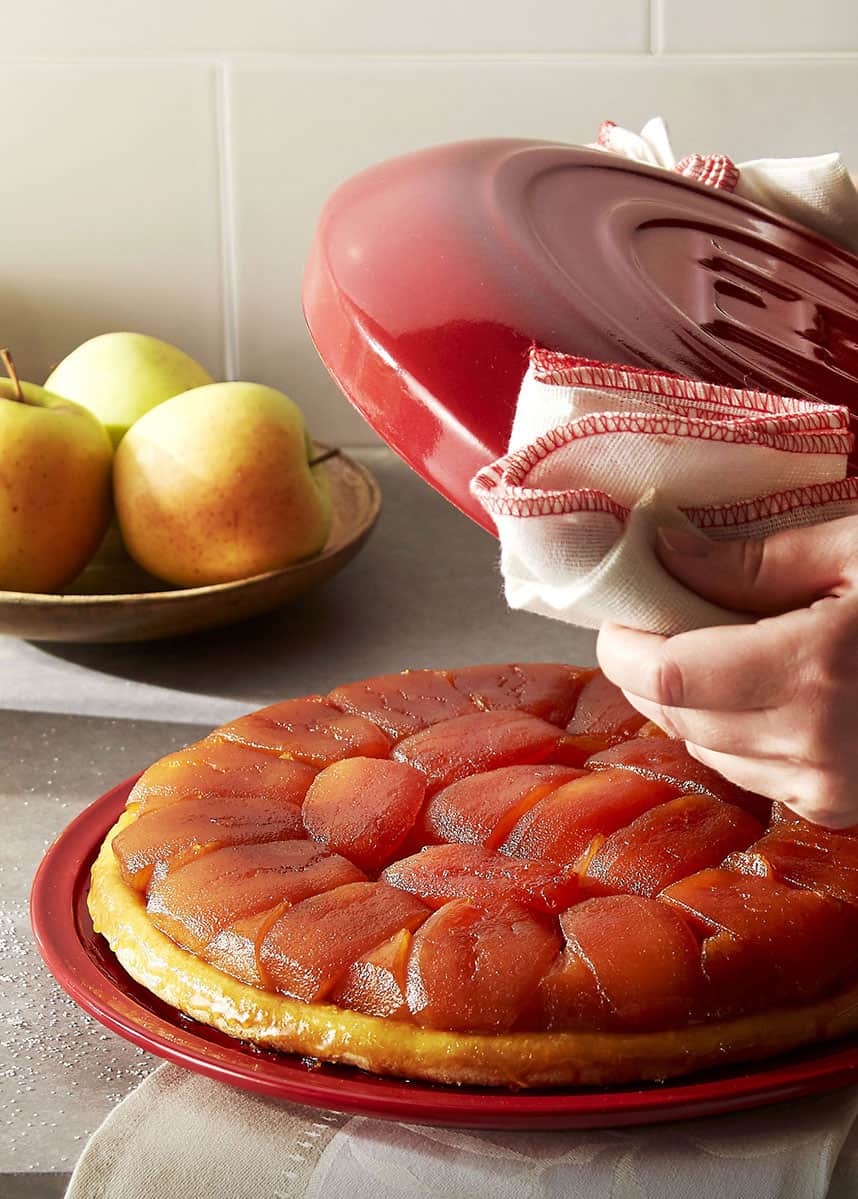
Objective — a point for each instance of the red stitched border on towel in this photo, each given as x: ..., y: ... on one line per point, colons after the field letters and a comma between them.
x: 714, y: 170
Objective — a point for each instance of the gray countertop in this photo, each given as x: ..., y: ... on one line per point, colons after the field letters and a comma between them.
x: 76, y: 719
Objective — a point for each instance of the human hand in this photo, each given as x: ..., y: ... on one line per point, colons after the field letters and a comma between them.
x: 772, y: 706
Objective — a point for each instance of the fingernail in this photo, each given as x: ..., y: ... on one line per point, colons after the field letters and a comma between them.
x: 683, y: 541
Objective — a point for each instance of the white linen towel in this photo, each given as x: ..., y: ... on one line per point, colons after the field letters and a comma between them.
x: 601, y: 456
x: 816, y: 191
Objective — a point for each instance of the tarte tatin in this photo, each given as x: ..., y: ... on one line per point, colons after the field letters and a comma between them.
x: 499, y: 875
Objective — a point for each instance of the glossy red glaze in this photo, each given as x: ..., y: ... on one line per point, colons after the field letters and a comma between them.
x: 452, y: 749
x: 432, y: 273
x: 474, y: 969
x: 670, y: 841
x: 223, y: 768
x: 440, y: 873
x: 643, y: 961
x: 86, y: 969
x: 405, y: 703
x: 766, y: 942
x: 305, y: 953
x: 805, y: 856
x: 602, y: 709
x: 667, y: 759
x: 560, y: 827
x: 173, y: 835
x: 375, y: 984
x: 364, y: 808
x: 482, y: 809
x: 309, y: 730
x: 544, y: 689
x: 201, y: 899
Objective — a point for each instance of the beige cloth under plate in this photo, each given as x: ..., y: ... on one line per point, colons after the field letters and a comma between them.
x: 181, y: 1136
x: 601, y: 456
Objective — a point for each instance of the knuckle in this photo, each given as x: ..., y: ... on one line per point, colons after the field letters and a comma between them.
x: 825, y: 799
x: 826, y: 666
x: 669, y: 682
x: 666, y: 720
x: 816, y: 736
x: 752, y: 557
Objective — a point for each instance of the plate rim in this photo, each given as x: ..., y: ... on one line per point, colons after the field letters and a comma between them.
x: 61, y: 881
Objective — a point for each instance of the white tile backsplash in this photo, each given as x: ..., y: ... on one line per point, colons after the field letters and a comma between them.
x: 163, y: 165
x: 110, y: 208
x: 93, y: 27
x: 737, y: 26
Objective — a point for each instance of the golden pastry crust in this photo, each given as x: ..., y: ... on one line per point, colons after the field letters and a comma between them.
x: 517, y: 1060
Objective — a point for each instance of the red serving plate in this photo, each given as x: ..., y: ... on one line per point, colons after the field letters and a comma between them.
x: 86, y: 969
x: 431, y: 274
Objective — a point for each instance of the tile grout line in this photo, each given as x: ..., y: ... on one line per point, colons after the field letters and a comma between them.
x: 315, y: 57
x: 656, y: 41
x: 228, y: 248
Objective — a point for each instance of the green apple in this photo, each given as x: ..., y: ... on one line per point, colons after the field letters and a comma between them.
x: 119, y: 376
x: 217, y: 484
x: 55, y: 502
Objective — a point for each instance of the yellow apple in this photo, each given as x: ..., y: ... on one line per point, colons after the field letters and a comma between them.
x: 120, y: 376
x: 55, y: 503
x: 216, y: 484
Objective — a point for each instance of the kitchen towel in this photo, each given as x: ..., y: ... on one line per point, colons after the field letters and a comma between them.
x: 601, y: 456
x: 816, y: 191
x: 181, y: 1135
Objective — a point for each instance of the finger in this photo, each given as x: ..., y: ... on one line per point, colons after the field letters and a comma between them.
x: 728, y: 669
x: 766, y: 576
x: 805, y: 791
x: 759, y: 734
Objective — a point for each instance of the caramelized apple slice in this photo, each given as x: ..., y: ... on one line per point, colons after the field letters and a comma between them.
x: 307, y: 730
x: 603, y: 716
x: 364, y: 807
x: 444, y: 872
x: 670, y: 841
x: 629, y: 962
x: 174, y: 835
x: 543, y: 689
x: 481, y: 809
x: 194, y: 903
x: 405, y: 703
x: 603, y: 710
x: 212, y: 767
x: 308, y: 949
x: 806, y: 856
x: 772, y: 943
x: 567, y: 998
x: 465, y: 745
x: 473, y: 968
x: 375, y: 983
x: 669, y: 760
x: 562, y: 826
x: 235, y: 949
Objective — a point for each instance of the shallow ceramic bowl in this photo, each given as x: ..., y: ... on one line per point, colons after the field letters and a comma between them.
x: 114, y: 600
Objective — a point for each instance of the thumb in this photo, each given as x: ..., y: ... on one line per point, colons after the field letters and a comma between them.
x: 765, y: 576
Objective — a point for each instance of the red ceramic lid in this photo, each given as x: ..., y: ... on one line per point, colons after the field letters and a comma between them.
x: 431, y: 274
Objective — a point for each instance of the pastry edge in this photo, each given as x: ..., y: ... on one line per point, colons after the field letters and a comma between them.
x: 381, y: 1046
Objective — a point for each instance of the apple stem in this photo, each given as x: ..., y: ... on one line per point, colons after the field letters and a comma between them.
x: 6, y: 359
x: 323, y: 457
